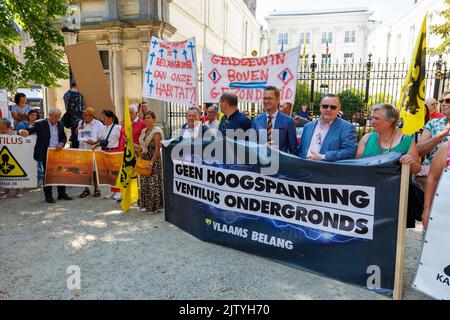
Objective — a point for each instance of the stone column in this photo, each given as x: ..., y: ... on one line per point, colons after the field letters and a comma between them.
x: 117, y: 80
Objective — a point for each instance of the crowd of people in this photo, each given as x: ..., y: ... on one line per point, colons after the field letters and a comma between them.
x: 328, y: 138
x: 331, y: 138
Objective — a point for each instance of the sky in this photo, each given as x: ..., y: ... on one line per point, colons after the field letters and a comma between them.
x: 387, y: 11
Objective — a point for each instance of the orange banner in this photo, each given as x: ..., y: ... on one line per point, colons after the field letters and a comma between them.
x: 69, y: 167
x: 108, y: 167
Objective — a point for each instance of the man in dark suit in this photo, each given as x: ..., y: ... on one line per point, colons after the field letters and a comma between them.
x: 233, y: 119
x: 50, y: 134
x: 329, y: 138
x: 277, y: 125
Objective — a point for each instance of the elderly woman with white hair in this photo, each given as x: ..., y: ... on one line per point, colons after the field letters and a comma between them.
x: 50, y: 134
x: 432, y: 111
x: 137, y: 124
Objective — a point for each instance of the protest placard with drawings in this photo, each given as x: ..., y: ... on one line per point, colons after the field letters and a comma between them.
x: 171, y: 72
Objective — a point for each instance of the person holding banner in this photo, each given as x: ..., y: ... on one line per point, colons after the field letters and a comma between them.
x: 330, y: 138
x: 151, y: 197
x: 50, y: 134
x: 440, y: 162
x: 109, y: 142
x: 232, y: 119
x: 88, y: 132
x: 272, y: 119
x: 387, y: 138
x: 193, y: 129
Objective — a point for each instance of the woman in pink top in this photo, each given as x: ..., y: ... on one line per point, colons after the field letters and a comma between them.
x: 439, y: 163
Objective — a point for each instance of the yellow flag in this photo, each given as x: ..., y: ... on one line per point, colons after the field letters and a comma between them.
x: 411, y: 103
x: 127, y: 179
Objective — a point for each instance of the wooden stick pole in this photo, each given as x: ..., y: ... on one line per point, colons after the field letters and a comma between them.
x: 401, y: 233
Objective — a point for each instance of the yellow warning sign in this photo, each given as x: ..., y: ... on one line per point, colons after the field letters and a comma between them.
x: 9, y: 167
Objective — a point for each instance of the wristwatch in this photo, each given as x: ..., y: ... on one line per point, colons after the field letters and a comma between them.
x: 323, y: 157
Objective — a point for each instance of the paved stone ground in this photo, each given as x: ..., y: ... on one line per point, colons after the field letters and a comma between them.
x: 138, y: 256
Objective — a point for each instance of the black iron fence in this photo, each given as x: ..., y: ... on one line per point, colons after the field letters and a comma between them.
x: 360, y: 84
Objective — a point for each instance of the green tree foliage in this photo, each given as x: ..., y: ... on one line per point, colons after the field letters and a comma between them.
x: 303, y: 94
x: 443, y: 31
x: 352, y: 102
x: 43, y: 59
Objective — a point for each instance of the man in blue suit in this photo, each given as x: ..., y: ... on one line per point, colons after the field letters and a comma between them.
x: 329, y: 138
x: 273, y: 119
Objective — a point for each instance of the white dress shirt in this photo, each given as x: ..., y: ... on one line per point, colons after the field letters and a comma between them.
x: 113, y: 139
x: 318, y: 137
x: 91, y: 131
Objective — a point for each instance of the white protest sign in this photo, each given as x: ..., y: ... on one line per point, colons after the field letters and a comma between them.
x: 18, y: 169
x: 433, y: 275
x: 4, y: 103
x: 171, y: 73
x: 248, y: 77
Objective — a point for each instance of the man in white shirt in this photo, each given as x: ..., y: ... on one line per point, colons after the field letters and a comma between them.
x: 213, y: 117
x: 89, y: 131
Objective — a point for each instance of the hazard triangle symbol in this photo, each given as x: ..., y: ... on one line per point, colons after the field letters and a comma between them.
x: 9, y: 167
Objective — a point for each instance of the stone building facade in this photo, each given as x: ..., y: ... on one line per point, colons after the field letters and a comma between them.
x: 122, y: 30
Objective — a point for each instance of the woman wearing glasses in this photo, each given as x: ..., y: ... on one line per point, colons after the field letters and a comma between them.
x: 435, y: 132
x: 432, y: 110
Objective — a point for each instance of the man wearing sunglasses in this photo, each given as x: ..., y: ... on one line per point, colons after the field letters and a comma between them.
x: 329, y: 138
x: 435, y: 132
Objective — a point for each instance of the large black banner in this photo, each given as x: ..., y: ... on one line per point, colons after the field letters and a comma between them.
x: 335, y: 219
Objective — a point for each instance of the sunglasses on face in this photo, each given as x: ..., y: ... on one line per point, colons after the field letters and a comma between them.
x: 327, y: 106
x: 446, y: 101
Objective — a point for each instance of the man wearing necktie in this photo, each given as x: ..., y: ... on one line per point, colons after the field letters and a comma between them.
x: 278, y: 126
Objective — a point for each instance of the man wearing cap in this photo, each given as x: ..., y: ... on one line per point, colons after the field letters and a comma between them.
x: 74, y: 103
x: 88, y: 132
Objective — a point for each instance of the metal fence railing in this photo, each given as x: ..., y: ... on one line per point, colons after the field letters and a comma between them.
x: 360, y: 84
